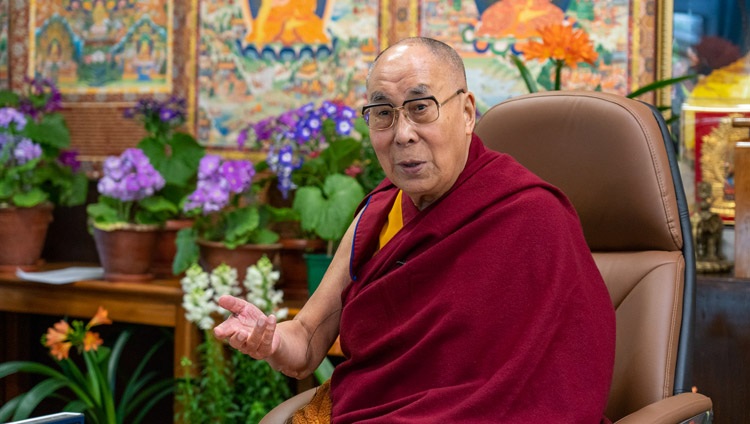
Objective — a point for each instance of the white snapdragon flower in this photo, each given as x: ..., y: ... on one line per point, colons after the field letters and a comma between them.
x: 198, y: 298
x: 224, y: 281
x: 259, y: 282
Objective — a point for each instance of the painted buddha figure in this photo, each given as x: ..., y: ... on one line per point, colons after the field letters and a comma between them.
x: 286, y: 22
x: 518, y: 18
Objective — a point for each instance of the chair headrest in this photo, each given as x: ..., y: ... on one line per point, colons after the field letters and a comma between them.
x: 606, y: 152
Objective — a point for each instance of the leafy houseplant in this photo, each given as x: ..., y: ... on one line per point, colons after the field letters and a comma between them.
x: 127, y: 214
x: 173, y: 153
x: 34, y: 167
x: 323, y: 156
x: 91, y: 390
x: 226, y: 210
x: 127, y: 193
x: 35, y: 172
x: 231, y: 387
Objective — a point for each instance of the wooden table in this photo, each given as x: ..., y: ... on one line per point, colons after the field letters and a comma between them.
x: 156, y: 303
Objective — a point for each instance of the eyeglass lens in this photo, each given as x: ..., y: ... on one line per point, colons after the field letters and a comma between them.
x: 419, y: 111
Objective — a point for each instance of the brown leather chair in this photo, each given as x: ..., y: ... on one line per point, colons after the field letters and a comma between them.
x: 614, y: 159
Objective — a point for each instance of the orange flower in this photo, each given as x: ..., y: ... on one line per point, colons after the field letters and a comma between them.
x: 561, y: 42
x: 99, y: 319
x: 60, y: 350
x: 57, y: 334
x: 91, y: 341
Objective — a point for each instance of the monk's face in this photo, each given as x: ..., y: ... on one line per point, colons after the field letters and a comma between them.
x: 423, y: 160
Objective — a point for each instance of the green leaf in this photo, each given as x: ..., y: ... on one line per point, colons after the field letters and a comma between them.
x: 660, y: 84
x: 12, y: 367
x: 329, y: 212
x: 528, y: 79
x: 102, y: 213
x: 241, y: 224
x: 6, y: 411
x: 9, y: 99
x: 30, y: 198
x: 176, y: 159
x: 187, y: 252
x: 33, y: 397
x: 51, y: 131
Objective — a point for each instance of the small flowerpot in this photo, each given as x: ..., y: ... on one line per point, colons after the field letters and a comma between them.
x: 22, y: 234
x: 214, y: 253
x: 126, y: 251
x: 166, y: 247
x: 293, y: 280
x: 317, y: 265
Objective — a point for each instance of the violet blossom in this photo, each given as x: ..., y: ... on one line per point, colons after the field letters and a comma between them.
x: 296, y: 135
x: 129, y: 177
x: 218, y: 180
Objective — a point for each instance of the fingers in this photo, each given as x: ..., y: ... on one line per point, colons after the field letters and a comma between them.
x: 232, y: 304
x: 259, y: 342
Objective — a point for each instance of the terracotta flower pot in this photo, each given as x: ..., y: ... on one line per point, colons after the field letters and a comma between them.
x: 214, y: 253
x: 166, y: 247
x: 22, y: 234
x: 126, y: 253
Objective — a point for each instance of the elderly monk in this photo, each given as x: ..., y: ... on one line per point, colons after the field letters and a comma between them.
x: 463, y: 291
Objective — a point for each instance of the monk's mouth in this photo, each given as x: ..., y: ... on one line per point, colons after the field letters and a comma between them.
x: 411, y: 166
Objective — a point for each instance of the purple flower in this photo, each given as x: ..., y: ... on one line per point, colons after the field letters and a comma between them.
x: 26, y: 150
x: 129, y: 177
x: 69, y: 158
x: 218, y: 180
x: 343, y: 127
x: 208, y: 165
x: 238, y: 174
x: 9, y: 115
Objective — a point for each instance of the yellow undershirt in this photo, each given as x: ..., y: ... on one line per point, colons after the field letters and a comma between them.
x: 394, y: 223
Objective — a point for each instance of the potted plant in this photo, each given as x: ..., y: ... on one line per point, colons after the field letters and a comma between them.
x: 93, y: 389
x: 36, y: 173
x: 322, y: 157
x: 231, y: 224
x: 230, y: 387
x: 176, y: 155
x: 127, y: 214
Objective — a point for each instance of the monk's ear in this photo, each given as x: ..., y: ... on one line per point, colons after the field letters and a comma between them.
x: 470, y: 112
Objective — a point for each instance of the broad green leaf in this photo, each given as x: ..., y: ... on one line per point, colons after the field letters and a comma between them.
x: 50, y: 131
x: 187, y: 252
x: 33, y: 397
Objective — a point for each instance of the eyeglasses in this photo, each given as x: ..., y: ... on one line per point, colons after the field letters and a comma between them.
x: 423, y: 110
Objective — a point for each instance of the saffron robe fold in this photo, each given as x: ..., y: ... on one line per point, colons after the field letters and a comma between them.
x: 487, y: 307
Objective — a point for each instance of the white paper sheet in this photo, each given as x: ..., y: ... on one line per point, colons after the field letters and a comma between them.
x: 63, y: 275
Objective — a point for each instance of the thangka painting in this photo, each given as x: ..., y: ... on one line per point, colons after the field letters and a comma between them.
x: 486, y: 32
x: 102, y: 46
x: 4, y: 21
x: 258, y: 58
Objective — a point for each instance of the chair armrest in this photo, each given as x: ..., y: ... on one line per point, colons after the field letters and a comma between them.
x: 283, y: 411
x: 671, y: 410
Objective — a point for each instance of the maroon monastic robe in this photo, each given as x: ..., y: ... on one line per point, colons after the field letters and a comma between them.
x: 486, y: 307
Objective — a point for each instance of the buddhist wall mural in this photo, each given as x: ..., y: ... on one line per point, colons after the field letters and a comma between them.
x: 102, y: 46
x: 257, y: 58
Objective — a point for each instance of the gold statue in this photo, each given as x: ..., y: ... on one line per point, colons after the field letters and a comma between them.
x: 708, y: 232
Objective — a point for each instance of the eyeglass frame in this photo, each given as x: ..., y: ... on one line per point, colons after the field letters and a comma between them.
x: 406, y: 115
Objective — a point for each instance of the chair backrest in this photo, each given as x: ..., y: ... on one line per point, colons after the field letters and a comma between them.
x: 614, y: 159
